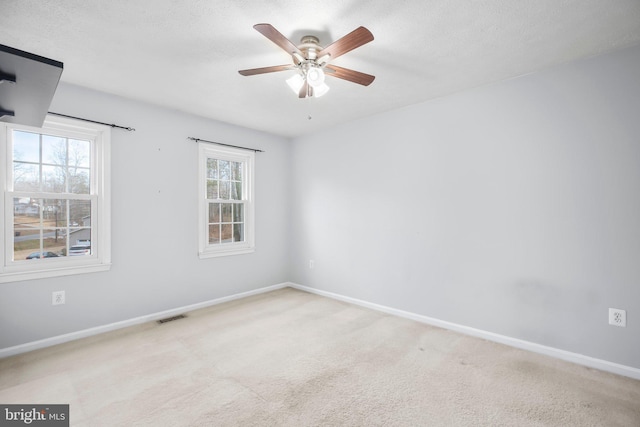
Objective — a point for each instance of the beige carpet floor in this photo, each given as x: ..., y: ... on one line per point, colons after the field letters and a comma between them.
x: 295, y: 359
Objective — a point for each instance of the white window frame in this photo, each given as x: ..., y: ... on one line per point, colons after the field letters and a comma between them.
x: 100, y: 194
x: 247, y: 158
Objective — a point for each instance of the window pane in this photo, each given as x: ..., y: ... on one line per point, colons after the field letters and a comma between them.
x: 79, y: 237
x: 238, y: 232
x: 224, y: 187
x: 53, y: 179
x: 236, y: 191
x: 212, y: 189
x: 26, y: 228
x: 224, y: 169
x: 238, y: 212
x: 214, y: 234
x: 226, y: 233
x: 26, y: 177
x: 79, y: 180
x: 227, y: 209
x: 23, y: 245
x: 26, y: 146
x: 79, y: 153
x: 80, y: 213
x: 26, y: 247
x: 236, y: 171
x: 26, y: 213
x: 212, y: 168
x: 54, y: 150
x: 54, y: 243
x: 54, y: 212
x: 28, y: 209
x: 214, y: 212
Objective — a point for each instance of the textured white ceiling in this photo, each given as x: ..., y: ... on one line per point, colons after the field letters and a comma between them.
x: 185, y: 54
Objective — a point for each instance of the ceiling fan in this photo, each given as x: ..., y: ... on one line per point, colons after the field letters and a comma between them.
x: 311, y: 61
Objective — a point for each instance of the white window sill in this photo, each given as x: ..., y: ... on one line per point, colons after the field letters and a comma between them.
x: 55, y: 272
x: 228, y: 252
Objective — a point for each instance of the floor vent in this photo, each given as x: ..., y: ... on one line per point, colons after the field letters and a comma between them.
x: 171, y: 319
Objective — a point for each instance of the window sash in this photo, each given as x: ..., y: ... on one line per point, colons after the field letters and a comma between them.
x: 63, y: 227
x: 223, y: 224
x: 53, y: 154
x: 98, y: 198
x: 218, y: 235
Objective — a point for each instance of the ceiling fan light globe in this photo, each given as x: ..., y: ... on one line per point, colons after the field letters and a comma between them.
x: 295, y: 82
x: 320, y: 90
x: 315, y: 77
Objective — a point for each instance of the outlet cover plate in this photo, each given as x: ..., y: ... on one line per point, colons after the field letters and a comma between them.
x: 57, y: 298
x: 617, y: 317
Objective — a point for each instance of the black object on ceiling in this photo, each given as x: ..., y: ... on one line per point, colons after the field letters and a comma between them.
x: 27, y: 85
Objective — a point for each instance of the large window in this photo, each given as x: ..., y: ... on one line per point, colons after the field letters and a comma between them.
x: 56, y: 202
x: 226, y: 201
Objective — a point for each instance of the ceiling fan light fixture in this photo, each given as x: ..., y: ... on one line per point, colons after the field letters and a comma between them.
x: 309, y: 59
x: 315, y: 77
x: 295, y: 82
x: 318, y: 91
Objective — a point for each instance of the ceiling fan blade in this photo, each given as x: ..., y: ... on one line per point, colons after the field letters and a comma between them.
x: 354, y: 39
x: 275, y: 36
x: 263, y: 70
x: 350, y: 75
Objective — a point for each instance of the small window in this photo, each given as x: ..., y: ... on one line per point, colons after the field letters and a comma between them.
x: 226, y: 201
x: 56, y: 197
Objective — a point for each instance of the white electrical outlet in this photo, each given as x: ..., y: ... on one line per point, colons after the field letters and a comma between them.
x: 312, y: 264
x: 57, y: 298
x: 617, y: 317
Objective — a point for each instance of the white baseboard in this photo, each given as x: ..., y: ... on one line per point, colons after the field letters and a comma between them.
x: 47, y: 342
x: 568, y: 356
x: 579, y: 359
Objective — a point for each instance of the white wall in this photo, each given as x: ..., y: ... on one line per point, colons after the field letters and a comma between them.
x: 154, y: 225
x: 512, y: 208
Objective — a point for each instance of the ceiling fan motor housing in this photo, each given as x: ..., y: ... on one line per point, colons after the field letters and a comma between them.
x: 309, y: 45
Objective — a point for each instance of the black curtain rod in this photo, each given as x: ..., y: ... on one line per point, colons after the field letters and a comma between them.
x: 226, y: 145
x: 92, y: 121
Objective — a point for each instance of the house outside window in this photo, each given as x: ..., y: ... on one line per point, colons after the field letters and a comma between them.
x: 56, y: 204
x: 226, y: 214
